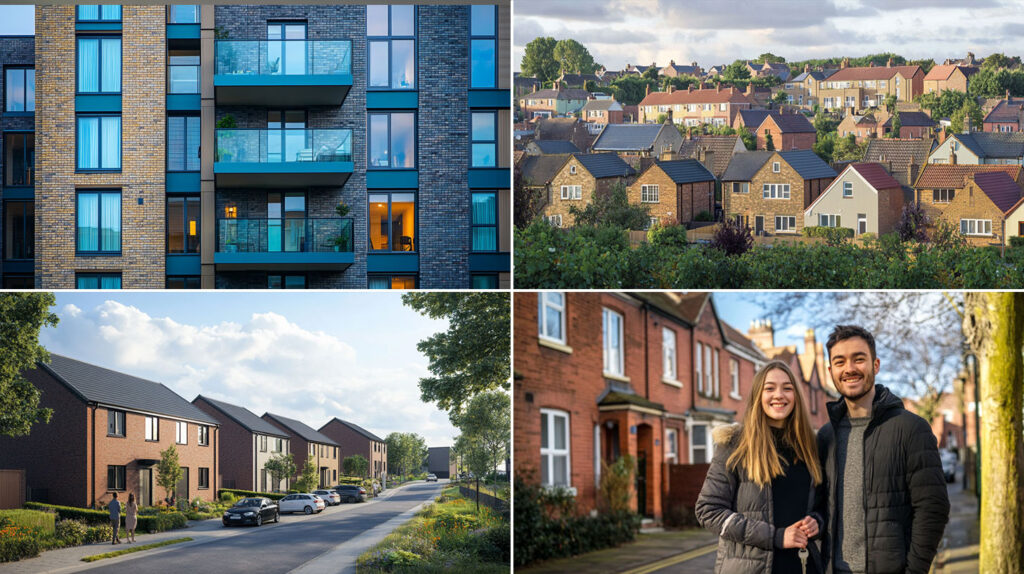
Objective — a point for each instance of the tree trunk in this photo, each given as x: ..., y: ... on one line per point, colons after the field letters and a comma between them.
x: 994, y: 326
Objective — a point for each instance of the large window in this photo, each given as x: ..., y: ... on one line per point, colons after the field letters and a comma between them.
x: 613, y: 352
x: 152, y: 428
x: 698, y: 367
x: 97, y: 280
x: 785, y: 223
x: 19, y: 227
x: 182, y: 432
x: 392, y: 225
x: 183, y: 14
x: 483, y: 31
x: 393, y: 140
x: 485, y: 139
x: 19, y: 159
x: 115, y: 477
x: 204, y: 478
x: 389, y: 281
x: 99, y: 65
x: 391, y: 39
x: 671, y: 446
x: 99, y: 13
x: 668, y: 353
x: 276, y: 281
x: 976, y: 226
x: 734, y: 376
x: 115, y: 423
x: 485, y: 221
x: 99, y: 142
x: 649, y: 193
x: 483, y: 281
x: 99, y: 222
x: 20, y: 90
x: 183, y: 224
x: 183, y: 72
x: 204, y: 435
x: 775, y: 191
x: 551, y: 316
x: 554, y: 448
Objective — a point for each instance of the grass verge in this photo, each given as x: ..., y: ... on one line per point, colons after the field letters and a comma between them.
x: 96, y: 557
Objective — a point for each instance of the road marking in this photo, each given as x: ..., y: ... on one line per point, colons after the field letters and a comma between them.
x: 673, y: 560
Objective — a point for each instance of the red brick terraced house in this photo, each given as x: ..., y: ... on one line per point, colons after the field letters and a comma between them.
x: 1007, y: 116
x: 305, y: 443
x: 248, y: 443
x: 788, y: 131
x: 354, y: 440
x: 106, y: 435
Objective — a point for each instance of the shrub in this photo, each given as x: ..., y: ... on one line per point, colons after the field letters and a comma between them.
x: 673, y: 236
x: 244, y: 493
x: 732, y: 238
x: 833, y: 235
x: 227, y: 498
x: 182, y: 505
x: 17, y: 542
x: 616, y: 486
x: 912, y: 223
x: 72, y: 532
x: 704, y: 216
x: 161, y: 522
x: 31, y: 519
x: 99, y: 533
x: 86, y: 515
x: 1017, y: 241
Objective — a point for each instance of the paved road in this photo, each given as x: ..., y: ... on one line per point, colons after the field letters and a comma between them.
x: 284, y: 546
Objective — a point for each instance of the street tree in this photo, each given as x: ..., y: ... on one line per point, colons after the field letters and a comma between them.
x: 310, y: 478
x: 280, y: 467
x: 539, y: 59
x: 472, y: 356
x: 169, y: 471
x: 22, y: 316
x: 474, y: 455
x: 406, y: 452
x: 769, y: 142
x: 573, y: 57
x: 994, y: 326
x: 487, y: 421
x: 355, y: 465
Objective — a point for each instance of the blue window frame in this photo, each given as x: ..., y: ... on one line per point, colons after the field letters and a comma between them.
x: 183, y: 143
x: 391, y: 47
x: 97, y: 280
x: 483, y: 51
x: 183, y: 72
x: 98, y: 215
x: 183, y: 14
x: 183, y: 224
x: 19, y: 159
x: 99, y: 65
x: 19, y: 89
x: 19, y: 230
x: 392, y: 221
x: 183, y: 282
x: 390, y: 281
x: 484, y: 221
x: 99, y: 142
x: 392, y: 140
x: 99, y: 13
x: 275, y: 281
x: 484, y: 281
x: 484, y: 130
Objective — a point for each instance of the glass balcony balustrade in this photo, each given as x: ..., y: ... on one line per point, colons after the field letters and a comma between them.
x: 283, y: 57
x: 277, y: 146
x: 285, y: 235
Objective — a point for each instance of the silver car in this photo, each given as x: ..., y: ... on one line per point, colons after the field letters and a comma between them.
x: 330, y: 497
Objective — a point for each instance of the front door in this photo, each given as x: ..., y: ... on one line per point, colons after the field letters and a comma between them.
x: 862, y: 223
x: 641, y: 483
x: 145, y: 487
x: 181, y: 489
x: 287, y: 137
x: 759, y: 225
x: 286, y: 48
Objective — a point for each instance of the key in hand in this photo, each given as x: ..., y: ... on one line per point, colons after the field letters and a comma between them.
x: 803, y: 559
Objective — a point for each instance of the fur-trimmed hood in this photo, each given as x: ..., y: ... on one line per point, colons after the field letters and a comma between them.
x: 723, y: 435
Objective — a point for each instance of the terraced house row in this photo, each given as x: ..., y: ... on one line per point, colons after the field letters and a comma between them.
x: 288, y: 146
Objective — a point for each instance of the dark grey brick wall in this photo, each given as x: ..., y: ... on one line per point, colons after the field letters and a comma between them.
x: 14, y: 51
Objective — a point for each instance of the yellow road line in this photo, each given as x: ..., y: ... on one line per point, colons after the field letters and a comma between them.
x: 674, y: 560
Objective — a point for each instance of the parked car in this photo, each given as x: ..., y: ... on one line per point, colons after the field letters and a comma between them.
x: 331, y: 497
x: 431, y: 477
x: 351, y: 492
x: 948, y: 458
x: 256, y: 510
x: 302, y: 502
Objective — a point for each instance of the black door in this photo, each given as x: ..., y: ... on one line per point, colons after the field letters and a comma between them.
x: 641, y: 484
x: 759, y: 225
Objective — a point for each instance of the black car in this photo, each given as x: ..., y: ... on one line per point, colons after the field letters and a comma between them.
x: 251, y: 511
x: 351, y: 492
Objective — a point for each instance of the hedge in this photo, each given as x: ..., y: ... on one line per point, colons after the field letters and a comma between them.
x: 826, y: 232
x: 151, y: 523
x: 234, y: 492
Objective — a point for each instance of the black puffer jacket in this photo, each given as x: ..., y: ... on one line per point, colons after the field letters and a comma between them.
x: 740, y: 512
x: 905, y: 500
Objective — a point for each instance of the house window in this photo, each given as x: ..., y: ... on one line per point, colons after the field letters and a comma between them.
x: 976, y: 226
x: 775, y: 165
x: 183, y: 14
x: 709, y: 389
x: 391, y: 50
x: 943, y: 195
x: 204, y: 435
x: 741, y: 187
x: 699, y: 451
x: 483, y: 50
x: 484, y: 139
x: 612, y: 333
x: 392, y: 225
x: 278, y: 445
x: 19, y: 229
x: 551, y: 316
x: 182, y: 428
x: 554, y: 448
x: 785, y: 223
x: 99, y: 65
x: 572, y: 192
x: 97, y: 280
x: 115, y: 423
x: 485, y: 221
x: 775, y: 191
x: 668, y: 353
x: 572, y: 169
x: 263, y: 443
x: 829, y: 220
x: 715, y: 380
x: 278, y: 281
x: 204, y: 478
x: 387, y: 281
x: 649, y: 194
x: 20, y: 89
x: 115, y: 477
x: 847, y: 189
x: 671, y: 446
x: 99, y: 222
x: 698, y: 367
x: 99, y: 13
x: 554, y: 220
x: 183, y: 224
x: 99, y: 142
x: 734, y: 376
x: 183, y: 72
x: 392, y: 139
x: 152, y: 428
x: 19, y: 159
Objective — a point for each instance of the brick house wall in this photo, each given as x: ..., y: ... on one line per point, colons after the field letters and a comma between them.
x: 972, y: 203
x: 237, y: 453
x: 752, y: 204
x: 957, y: 82
x: 324, y: 455
x: 353, y: 443
x: 1001, y: 127
x: 666, y: 210
x: 15, y: 51
x: 590, y: 187
x: 783, y: 141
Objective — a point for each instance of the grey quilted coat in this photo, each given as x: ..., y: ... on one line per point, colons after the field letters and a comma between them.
x: 740, y: 512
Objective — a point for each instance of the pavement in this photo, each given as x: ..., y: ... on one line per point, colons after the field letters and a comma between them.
x: 958, y: 553
x: 389, y: 510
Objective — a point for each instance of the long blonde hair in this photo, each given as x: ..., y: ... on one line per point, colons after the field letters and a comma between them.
x: 756, y: 450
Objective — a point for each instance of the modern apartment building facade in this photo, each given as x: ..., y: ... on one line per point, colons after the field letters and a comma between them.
x: 326, y: 146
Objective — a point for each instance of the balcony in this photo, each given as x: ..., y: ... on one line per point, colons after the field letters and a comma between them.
x: 283, y: 72
x: 282, y: 158
x: 297, y: 244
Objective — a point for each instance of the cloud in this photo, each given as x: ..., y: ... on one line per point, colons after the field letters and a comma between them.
x: 569, y: 10
x: 266, y: 363
x: 890, y: 6
x: 741, y: 14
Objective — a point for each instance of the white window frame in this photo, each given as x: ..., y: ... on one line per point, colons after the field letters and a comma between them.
x: 572, y: 170
x: 744, y: 186
x: 708, y: 453
x: 790, y: 226
x: 671, y: 446
x: 543, y: 303
x: 181, y: 429
x: 649, y: 193
x: 548, y: 454
x: 829, y: 220
x: 613, y: 358
x: 976, y: 227
x: 734, y: 375
x: 669, y: 361
x: 152, y: 428
x: 204, y: 435
x: 570, y: 192
x: 698, y: 367
x: 709, y: 387
x: 847, y: 189
x: 554, y: 220
x: 716, y: 381
x: 776, y: 167
x: 775, y: 191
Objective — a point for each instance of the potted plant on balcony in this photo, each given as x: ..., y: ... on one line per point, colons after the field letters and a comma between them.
x: 342, y: 240
x: 227, y: 122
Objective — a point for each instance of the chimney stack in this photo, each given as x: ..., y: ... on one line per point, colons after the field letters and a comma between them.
x: 889, y: 63
x: 647, y: 90
x: 762, y: 333
x: 871, y: 63
x: 671, y: 88
x: 689, y: 88
x: 718, y: 87
x: 807, y: 68
x: 844, y: 63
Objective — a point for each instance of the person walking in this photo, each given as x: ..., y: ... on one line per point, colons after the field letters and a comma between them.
x: 887, y: 503
x: 115, y: 519
x: 764, y: 493
x: 131, y: 519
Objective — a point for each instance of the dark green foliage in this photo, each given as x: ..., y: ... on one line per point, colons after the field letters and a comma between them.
x: 667, y: 235
x: 539, y: 59
x: 832, y: 235
x: 22, y: 316
x: 732, y: 238
x: 573, y: 57
x: 250, y: 493
x: 704, y: 216
x: 582, y: 257
x: 151, y: 523
x: 629, y: 90
x: 970, y: 110
x: 943, y: 105
x: 1017, y: 242
x: 896, y: 125
x: 612, y: 208
x: 912, y: 223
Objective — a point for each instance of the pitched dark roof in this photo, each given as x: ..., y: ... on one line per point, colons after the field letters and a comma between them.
x: 604, y: 165
x: 1006, y: 145
x: 1000, y: 188
x: 96, y: 384
x: 913, y: 119
x: 538, y: 170
x: 243, y: 416
x: 743, y: 166
x: 627, y: 137
x: 605, y: 104
x: 735, y: 336
x: 753, y: 118
x: 685, y: 170
x: 356, y: 428
x: 301, y: 429
x: 556, y: 146
x: 563, y: 94
x: 807, y: 164
x: 792, y: 123
x: 1006, y: 111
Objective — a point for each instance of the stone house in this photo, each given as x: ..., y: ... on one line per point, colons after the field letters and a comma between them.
x: 902, y: 158
x: 981, y: 209
x: 867, y: 87
x: 938, y: 184
x: 948, y: 77
x: 693, y: 107
x: 579, y: 181
x: 864, y: 197
x: 676, y: 191
x: 1006, y: 116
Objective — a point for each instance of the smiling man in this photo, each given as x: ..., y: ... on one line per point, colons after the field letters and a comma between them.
x: 888, y: 504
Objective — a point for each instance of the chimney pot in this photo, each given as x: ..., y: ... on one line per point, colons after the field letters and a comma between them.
x: 689, y: 88
x: 889, y: 63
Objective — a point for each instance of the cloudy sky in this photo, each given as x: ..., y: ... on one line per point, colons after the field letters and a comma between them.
x: 621, y: 32
x: 308, y: 357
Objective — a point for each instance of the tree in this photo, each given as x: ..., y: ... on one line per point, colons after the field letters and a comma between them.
x: 847, y: 149
x: 539, y: 59
x: 310, y: 477
x: 281, y: 467
x: 769, y: 142
x: 406, y: 451
x: 896, y: 125
x: 472, y: 356
x: 355, y: 465
x: 1000, y: 60
x: 169, y: 471
x: 475, y: 457
x: 890, y: 103
x: 970, y: 110
x: 913, y: 223
x: 22, y: 316
x: 994, y: 325
x: 770, y: 58
x: 780, y: 97
x: 630, y: 90
x: 732, y: 238
x: 528, y: 200
x: 612, y: 208
x: 748, y: 137
x: 487, y: 419
x: 573, y: 57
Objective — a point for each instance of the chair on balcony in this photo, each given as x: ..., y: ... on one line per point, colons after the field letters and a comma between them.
x: 304, y: 155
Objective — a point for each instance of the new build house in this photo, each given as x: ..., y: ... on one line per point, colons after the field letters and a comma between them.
x: 310, y: 447
x: 247, y: 443
x: 354, y: 439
